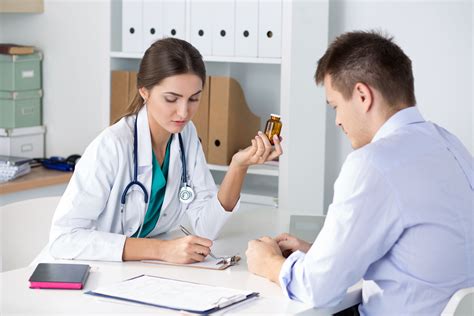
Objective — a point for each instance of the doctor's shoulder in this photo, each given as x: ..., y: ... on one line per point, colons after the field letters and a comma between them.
x: 113, y: 139
x: 123, y: 129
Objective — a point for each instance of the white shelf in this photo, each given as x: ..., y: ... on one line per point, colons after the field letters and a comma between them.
x: 280, y: 84
x: 265, y: 170
x: 126, y: 55
x: 259, y: 199
x: 245, y: 60
x: 220, y: 59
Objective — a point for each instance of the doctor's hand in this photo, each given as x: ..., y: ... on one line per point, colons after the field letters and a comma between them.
x: 289, y: 244
x: 259, y: 152
x: 264, y: 258
x: 187, y: 249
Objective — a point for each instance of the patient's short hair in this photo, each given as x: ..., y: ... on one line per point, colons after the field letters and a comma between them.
x: 370, y: 58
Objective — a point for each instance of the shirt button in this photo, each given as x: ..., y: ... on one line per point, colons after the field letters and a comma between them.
x: 164, y: 214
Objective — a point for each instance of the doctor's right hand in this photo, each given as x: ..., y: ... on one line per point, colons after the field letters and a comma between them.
x: 289, y: 244
x: 187, y: 249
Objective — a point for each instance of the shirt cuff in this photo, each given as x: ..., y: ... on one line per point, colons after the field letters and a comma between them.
x: 286, y: 272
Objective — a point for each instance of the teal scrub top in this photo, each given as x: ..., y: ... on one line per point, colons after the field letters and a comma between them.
x: 158, y: 188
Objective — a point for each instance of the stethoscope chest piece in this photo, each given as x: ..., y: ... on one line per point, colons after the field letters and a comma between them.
x: 186, y: 194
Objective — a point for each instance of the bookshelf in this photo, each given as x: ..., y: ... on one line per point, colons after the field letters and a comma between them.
x: 282, y: 85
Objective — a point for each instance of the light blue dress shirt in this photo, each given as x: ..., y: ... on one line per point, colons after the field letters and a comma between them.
x: 402, y: 219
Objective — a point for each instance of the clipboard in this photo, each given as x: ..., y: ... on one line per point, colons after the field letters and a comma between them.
x: 173, y: 294
x: 208, y: 263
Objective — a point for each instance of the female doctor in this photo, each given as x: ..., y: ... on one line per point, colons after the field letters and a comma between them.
x: 140, y: 176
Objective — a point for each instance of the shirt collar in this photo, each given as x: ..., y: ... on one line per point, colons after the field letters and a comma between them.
x: 402, y: 118
x: 144, y: 139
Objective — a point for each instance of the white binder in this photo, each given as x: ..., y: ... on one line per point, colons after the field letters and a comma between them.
x: 246, y: 28
x: 152, y: 22
x: 174, y: 17
x: 223, y: 28
x: 132, y: 26
x: 201, y: 25
x: 269, y: 28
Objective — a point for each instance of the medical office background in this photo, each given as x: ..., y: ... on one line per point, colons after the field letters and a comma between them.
x: 77, y: 40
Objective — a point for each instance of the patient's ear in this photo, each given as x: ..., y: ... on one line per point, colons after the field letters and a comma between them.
x: 363, y: 95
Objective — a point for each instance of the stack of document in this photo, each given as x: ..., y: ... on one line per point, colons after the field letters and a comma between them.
x: 13, y: 167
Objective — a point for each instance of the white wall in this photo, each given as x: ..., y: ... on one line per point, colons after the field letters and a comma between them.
x: 74, y: 36
x: 438, y: 37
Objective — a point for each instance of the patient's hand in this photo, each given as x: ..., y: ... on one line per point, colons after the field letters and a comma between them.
x: 289, y: 244
x: 264, y: 258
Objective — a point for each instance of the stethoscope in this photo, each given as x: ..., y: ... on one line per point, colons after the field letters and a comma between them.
x: 186, y: 193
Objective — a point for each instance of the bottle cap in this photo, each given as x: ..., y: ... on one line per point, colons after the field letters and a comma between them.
x: 276, y: 115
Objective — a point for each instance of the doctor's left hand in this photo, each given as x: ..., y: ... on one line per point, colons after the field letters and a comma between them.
x: 259, y: 152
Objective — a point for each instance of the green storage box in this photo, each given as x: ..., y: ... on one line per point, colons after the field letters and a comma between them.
x: 20, y: 108
x: 20, y: 72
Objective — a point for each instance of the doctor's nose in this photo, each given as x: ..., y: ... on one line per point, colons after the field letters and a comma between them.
x: 182, y: 110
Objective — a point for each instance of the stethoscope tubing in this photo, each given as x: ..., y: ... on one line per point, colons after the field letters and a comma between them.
x: 135, y: 181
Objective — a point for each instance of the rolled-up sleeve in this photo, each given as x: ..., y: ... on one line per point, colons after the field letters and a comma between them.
x: 206, y: 214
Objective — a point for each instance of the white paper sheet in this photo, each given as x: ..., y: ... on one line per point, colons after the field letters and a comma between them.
x: 175, y: 294
x: 208, y: 263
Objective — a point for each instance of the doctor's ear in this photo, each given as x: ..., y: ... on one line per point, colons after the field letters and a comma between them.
x: 144, y: 93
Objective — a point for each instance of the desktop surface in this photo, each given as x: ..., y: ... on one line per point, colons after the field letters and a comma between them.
x: 249, y: 223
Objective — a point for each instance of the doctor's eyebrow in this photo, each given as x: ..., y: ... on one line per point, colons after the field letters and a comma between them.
x: 180, y: 95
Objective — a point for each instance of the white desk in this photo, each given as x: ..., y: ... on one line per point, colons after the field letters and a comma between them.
x: 250, y: 223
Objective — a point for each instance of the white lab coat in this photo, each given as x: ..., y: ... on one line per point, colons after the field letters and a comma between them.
x: 87, y: 223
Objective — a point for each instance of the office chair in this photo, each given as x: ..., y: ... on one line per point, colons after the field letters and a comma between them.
x: 25, y: 229
x: 461, y: 303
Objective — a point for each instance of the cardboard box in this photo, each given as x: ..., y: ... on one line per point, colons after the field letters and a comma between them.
x: 123, y: 89
x: 20, y: 72
x: 132, y: 86
x: 232, y: 124
x: 22, y: 142
x: 20, y: 108
x: 201, y: 118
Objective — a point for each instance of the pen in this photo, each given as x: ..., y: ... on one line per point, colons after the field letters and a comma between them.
x: 187, y: 233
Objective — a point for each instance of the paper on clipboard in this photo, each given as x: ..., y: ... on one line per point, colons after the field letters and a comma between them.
x: 173, y: 294
x: 208, y: 263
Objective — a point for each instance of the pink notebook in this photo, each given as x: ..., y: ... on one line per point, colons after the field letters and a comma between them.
x: 59, y: 276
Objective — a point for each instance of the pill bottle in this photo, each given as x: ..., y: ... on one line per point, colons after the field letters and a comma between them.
x: 273, y: 127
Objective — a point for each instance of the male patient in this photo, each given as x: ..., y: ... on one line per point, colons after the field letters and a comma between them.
x: 402, y: 214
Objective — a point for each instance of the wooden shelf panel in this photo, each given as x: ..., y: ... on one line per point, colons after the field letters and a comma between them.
x: 37, y: 178
x: 23, y: 6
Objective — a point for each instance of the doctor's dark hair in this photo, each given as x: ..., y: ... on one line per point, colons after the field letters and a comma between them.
x: 370, y: 58
x: 165, y: 58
